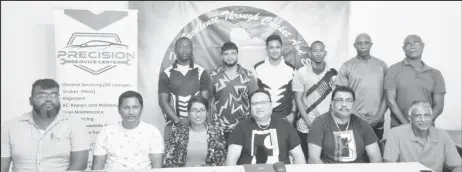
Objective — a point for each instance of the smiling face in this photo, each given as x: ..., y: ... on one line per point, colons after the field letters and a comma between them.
x: 130, y: 110
x: 197, y: 113
x: 421, y: 118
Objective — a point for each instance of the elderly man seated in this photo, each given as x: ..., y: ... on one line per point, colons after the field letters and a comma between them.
x: 420, y: 142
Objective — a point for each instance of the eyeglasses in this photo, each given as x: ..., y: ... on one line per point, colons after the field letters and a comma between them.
x: 195, y: 111
x: 46, y: 95
x: 347, y: 101
x: 260, y: 103
x: 422, y: 117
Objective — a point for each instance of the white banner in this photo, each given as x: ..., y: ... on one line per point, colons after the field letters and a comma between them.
x: 97, y: 60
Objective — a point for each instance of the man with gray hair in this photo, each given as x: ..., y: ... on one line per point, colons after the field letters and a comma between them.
x: 420, y: 142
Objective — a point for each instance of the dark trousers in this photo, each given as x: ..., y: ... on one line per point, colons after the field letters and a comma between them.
x: 379, y: 130
x: 304, y: 143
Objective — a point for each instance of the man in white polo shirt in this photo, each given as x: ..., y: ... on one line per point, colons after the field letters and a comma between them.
x: 275, y: 75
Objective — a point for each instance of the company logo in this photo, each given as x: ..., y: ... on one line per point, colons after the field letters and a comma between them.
x: 95, y: 52
x: 248, y: 28
x: 96, y: 21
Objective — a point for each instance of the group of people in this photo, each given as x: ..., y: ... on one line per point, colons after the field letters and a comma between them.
x: 235, y: 116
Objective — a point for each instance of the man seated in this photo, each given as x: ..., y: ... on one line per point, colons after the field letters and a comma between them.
x: 420, y: 142
x: 45, y: 139
x: 263, y: 138
x: 339, y: 136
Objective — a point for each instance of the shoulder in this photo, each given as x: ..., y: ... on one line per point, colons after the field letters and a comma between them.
x: 322, y: 119
x: 399, y: 130
x: 303, y: 69
x: 16, y: 120
x: 259, y: 64
x: 149, y: 127
x: 361, y: 122
x: 396, y: 66
x: 289, y: 65
x: 442, y: 135
x: 198, y: 67
x: 379, y: 61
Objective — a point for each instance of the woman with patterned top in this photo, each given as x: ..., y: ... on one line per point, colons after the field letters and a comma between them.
x: 196, y: 144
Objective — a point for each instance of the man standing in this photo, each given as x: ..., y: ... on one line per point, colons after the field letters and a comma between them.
x: 420, y: 142
x: 365, y: 74
x: 275, y: 75
x: 178, y: 83
x: 231, y: 86
x: 312, y: 85
x: 412, y: 80
x: 45, y: 139
x: 264, y: 138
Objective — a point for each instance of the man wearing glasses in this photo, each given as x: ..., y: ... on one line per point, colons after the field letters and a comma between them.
x: 264, y: 138
x: 339, y: 136
x: 411, y: 80
x: 45, y: 139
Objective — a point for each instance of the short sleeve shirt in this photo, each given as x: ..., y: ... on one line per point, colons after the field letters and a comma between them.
x: 271, y: 144
x: 412, y: 85
x: 277, y: 80
x: 128, y: 149
x: 231, y: 96
x: 341, y: 145
x: 439, y: 150
x: 181, y: 83
x: 366, y: 78
x: 305, y: 80
x: 49, y: 150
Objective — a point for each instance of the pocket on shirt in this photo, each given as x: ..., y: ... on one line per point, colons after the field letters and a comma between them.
x: 61, y: 140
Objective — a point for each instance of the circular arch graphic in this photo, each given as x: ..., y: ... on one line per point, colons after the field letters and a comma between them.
x: 248, y: 27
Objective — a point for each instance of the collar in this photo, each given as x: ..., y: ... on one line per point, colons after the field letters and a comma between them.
x: 432, y: 134
x: 425, y: 66
x: 28, y: 117
x: 239, y: 69
x: 309, y: 68
x: 360, y: 59
x: 281, y: 63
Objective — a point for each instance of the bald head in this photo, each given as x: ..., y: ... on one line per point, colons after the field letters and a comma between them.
x: 412, y: 38
x: 413, y: 46
x: 363, y: 36
x: 363, y: 45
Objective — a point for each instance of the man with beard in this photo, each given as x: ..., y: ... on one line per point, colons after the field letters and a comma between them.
x: 312, y: 85
x: 365, y: 74
x: 45, y: 139
x: 412, y: 80
x: 275, y: 75
x: 231, y: 86
x: 178, y: 83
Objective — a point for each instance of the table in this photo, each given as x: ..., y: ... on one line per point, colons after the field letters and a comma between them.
x: 356, y: 167
x: 456, y: 136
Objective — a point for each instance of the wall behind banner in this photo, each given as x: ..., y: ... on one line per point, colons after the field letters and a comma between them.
x: 27, y: 36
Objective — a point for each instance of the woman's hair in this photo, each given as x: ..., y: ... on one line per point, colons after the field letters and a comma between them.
x: 198, y: 99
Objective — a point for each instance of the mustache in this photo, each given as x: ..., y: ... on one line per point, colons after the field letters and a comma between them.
x: 43, y: 111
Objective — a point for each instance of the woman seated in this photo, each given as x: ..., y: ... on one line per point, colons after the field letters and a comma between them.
x: 130, y: 144
x: 339, y: 136
x: 196, y: 144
